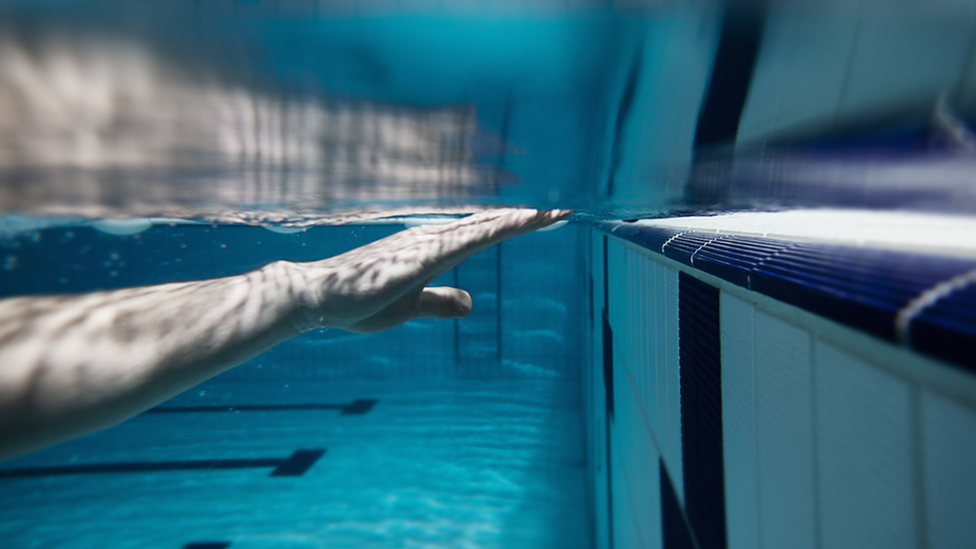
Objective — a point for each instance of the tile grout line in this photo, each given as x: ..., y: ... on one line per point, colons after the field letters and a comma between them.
x: 918, y: 469
x: 815, y: 443
x: 755, y: 421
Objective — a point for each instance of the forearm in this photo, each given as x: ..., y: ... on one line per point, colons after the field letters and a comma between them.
x: 74, y: 364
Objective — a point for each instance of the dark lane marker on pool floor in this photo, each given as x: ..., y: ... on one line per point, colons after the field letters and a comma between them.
x: 358, y: 407
x: 292, y: 466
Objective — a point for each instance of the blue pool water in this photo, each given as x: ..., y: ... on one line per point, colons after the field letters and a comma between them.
x: 607, y: 390
x: 433, y: 464
x: 472, y: 435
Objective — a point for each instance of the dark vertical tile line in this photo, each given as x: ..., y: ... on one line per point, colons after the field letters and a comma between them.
x: 735, y: 59
x: 457, y: 327
x: 592, y: 306
x: 498, y: 300
x: 674, y: 529
x: 918, y: 470
x: 608, y: 362
x: 755, y: 425
x: 608, y: 387
x: 700, y: 374
x: 739, y: 43
x: 623, y: 113
x: 606, y: 269
x: 506, y: 126
x: 817, y: 500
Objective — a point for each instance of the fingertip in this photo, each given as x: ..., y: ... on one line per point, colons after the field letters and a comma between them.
x: 463, y: 304
x: 559, y: 215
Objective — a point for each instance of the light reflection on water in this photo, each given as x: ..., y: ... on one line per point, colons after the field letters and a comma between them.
x: 297, y: 113
x: 92, y: 126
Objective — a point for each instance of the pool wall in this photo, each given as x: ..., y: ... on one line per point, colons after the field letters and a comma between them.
x: 723, y: 417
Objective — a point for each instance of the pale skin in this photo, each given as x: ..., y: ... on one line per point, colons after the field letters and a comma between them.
x: 74, y: 364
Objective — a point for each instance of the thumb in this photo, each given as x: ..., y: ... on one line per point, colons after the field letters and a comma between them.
x: 444, y: 302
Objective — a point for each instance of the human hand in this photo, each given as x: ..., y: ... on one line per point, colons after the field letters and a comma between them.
x: 384, y: 284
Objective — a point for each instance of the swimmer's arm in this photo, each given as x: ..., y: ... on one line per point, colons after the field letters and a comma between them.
x: 75, y: 364
x: 70, y: 365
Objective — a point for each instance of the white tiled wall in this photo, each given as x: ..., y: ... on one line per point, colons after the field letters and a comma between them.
x: 784, y: 431
x: 949, y: 455
x: 739, y: 422
x: 864, y: 453
x: 646, y: 345
x: 821, y: 448
x: 596, y: 399
x: 643, y: 297
x: 799, y: 76
x: 823, y: 68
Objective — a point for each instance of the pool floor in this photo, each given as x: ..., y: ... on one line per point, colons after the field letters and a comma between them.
x: 467, y: 464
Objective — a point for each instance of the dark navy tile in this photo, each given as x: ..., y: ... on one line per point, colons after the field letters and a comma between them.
x: 685, y: 245
x: 863, y: 288
x: 674, y: 529
x: 700, y: 370
x: 947, y: 329
x: 652, y: 238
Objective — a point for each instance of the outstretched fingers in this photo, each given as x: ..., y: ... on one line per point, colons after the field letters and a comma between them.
x: 470, y: 235
x: 382, y: 280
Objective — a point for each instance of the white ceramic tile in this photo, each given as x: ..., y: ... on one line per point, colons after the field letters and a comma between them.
x: 671, y: 438
x: 642, y: 292
x: 948, y: 449
x: 643, y: 477
x: 864, y: 454
x: 905, y: 59
x: 660, y: 384
x: 623, y: 417
x: 739, y: 423
x: 967, y: 87
x: 624, y: 527
x: 799, y: 75
x: 647, y: 385
x: 784, y: 430
x: 599, y: 440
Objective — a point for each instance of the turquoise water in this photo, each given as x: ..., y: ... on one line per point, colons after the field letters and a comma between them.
x: 235, y: 133
x: 474, y: 440
x: 442, y: 463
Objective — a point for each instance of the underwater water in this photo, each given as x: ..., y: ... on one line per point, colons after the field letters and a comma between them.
x: 467, y: 433
x: 143, y: 143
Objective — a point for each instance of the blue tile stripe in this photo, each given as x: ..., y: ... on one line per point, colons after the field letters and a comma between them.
x: 860, y: 287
